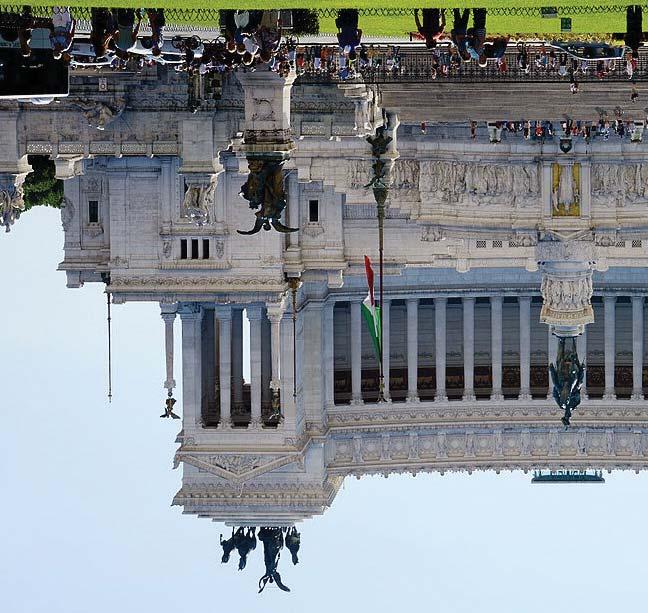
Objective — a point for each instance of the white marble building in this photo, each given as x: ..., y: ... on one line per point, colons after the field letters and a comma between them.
x: 465, y: 350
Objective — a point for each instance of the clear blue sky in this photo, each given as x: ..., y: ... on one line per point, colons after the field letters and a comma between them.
x: 85, y: 491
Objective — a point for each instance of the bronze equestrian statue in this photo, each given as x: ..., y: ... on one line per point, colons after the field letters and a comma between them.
x: 273, y: 542
x: 567, y: 377
x: 265, y: 191
x: 292, y: 540
x: 245, y: 543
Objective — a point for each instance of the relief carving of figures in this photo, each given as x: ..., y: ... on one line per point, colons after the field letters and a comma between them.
x: 358, y: 173
x: 479, y: 184
x: 565, y: 190
x: 563, y: 295
x: 620, y: 183
x: 100, y: 115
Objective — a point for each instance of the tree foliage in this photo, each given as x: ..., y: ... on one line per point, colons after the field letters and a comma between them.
x: 41, y: 186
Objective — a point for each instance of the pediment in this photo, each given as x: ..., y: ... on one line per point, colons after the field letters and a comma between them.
x: 237, y: 467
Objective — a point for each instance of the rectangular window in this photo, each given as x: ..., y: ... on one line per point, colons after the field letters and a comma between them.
x: 194, y: 249
x: 636, y: 244
x: 205, y: 249
x: 183, y: 248
x: 497, y: 244
x: 93, y: 211
x: 481, y: 244
x: 313, y: 210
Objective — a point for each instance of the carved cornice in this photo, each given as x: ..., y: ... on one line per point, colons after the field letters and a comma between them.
x: 195, y: 283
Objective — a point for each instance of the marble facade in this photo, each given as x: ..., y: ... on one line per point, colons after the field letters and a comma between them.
x: 462, y: 286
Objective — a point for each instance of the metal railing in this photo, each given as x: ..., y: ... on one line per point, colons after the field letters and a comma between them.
x: 423, y: 66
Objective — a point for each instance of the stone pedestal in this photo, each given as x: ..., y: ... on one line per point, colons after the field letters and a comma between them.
x: 267, y: 111
x: 566, y: 285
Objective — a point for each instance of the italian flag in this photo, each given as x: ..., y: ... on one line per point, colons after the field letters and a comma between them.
x: 370, y: 311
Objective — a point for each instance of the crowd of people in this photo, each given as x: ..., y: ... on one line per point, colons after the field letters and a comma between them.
x: 543, y: 130
x: 454, y: 39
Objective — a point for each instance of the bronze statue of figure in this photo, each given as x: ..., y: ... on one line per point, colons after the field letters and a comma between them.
x: 292, y: 543
x: 265, y: 191
x: 168, y: 409
x: 567, y: 377
x: 228, y: 546
x: 273, y: 542
x: 380, y: 142
x: 245, y: 542
x: 380, y: 175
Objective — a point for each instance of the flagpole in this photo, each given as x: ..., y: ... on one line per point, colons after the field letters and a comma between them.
x: 381, y: 218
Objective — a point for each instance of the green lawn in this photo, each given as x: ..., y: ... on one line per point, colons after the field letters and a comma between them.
x: 592, y: 23
x: 328, y: 4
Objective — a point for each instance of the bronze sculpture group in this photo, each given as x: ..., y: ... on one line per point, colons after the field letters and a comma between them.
x: 265, y: 191
x: 244, y: 540
x: 567, y: 377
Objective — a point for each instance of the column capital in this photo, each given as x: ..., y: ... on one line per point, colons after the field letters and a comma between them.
x: 190, y: 310
x: 168, y: 317
x: 524, y: 299
x: 254, y: 312
x: 497, y: 299
x: 168, y: 308
x: 440, y: 300
x: 609, y: 299
x: 413, y: 301
x: 275, y: 311
x: 223, y: 312
x: 468, y: 299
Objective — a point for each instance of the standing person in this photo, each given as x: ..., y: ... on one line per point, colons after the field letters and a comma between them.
x: 477, y: 37
x: 349, y: 35
x: 459, y: 32
x: 62, y: 33
x: 157, y: 23
x: 634, y: 34
x: 433, y: 26
x: 103, y: 29
x: 127, y: 31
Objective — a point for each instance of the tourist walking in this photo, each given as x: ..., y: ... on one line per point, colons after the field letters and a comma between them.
x: 432, y: 27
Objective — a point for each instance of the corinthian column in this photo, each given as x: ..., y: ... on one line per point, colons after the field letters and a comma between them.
x: 469, y: 348
x: 496, y: 346
x: 356, y: 352
x: 525, y: 347
x: 224, y: 315
x: 168, y: 316
x: 609, y: 307
x: 254, y: 316
x: 412, y: 349
x: 275, y: 313
x: 440, y: 335
x: 385, y: 309
x: 637, y: 347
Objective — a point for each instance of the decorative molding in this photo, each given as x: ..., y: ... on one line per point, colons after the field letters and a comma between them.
x: 236, y: 467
